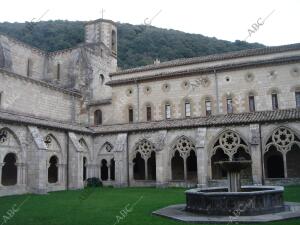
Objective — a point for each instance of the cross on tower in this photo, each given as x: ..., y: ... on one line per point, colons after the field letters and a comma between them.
x: 102, y: 13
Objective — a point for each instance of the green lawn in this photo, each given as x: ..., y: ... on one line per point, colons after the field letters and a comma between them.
x: 102, y: 206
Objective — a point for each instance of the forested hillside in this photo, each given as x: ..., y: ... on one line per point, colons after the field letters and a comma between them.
x: 137, y: 44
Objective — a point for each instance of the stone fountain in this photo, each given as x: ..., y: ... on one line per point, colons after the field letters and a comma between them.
x: 243, y: 203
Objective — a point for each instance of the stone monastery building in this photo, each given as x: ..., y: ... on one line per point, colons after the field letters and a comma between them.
x: 70, y: 115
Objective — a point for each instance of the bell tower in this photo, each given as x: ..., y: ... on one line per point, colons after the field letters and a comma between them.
x: 104, y: 31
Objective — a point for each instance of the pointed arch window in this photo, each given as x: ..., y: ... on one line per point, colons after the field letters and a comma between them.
x: 251, y: 103
x: 98, y: 117
x: 274, y: 101
x: 149, y: 113
x: 229, y: 105
x: 297, y: 95
x: 130, y: 114
x: 187, y: 109
x: 168, y: 111
x: 208, y: 107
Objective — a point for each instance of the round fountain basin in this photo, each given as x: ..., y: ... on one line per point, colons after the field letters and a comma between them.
x: 252, y: 200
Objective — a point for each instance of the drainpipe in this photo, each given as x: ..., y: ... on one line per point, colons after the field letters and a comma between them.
x: 217, y: 91
x: 138, y: 100
x: 261, y: 157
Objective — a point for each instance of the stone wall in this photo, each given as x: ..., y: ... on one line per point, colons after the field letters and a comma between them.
x: 260, y: 82
x: 37, y: 98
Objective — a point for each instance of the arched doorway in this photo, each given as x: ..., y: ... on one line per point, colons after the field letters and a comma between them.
x: 184, y: 160
x: 229, y: 146
x: 144, y: 162
x: 139, y: 167
x: 104, y: 170
x: 293, y: 161
x: 177, y: 165
x: 217, y: 171
x: 273, y: 160
x: 9, y: 170
x: 53, y: 170
x: 112, y: 169
x: 151, y: 162
x: 191, y: 163
x: 282, y: 154
x: 84, y: 168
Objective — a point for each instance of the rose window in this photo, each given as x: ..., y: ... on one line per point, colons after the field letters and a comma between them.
x: 283, y: 137
x: 229, y: 140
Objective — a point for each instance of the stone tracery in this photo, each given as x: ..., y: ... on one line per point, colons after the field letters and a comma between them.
x: 230, y: 142
x: 184, y: 146
x: 145, y: 148
x: 3, y: 136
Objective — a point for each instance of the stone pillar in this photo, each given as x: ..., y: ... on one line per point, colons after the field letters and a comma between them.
x: 1, y: 165
x: 75, y: 163
x: 121, y: 161
x: 161, y: 158
x: 19, y: 173
x: 202, y: 157
x: 61, y: 173
x: 37, y: 168
x: 161, y: 165
x: 255, y: 152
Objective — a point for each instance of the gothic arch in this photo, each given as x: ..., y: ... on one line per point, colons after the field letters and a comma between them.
x: 106, y: 162
x: 236, y: 140
x: 85, y: 148
x: 283, y: 138
x: 144, y: 160
x: 282, y: 153
x: 10, y: 143
x: 183, y: 159
x: 228, y: 145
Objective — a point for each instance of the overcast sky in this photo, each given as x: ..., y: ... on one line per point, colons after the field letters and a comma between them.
x: 224, y: 19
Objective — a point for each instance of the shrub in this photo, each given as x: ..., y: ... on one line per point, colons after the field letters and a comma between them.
x: 94, y: 182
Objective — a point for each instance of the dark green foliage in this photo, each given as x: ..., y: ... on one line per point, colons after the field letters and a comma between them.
x: 138, y: 45
x: 94, y: 182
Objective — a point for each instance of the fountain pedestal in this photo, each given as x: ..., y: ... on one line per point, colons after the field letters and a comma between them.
x: 234, y: 169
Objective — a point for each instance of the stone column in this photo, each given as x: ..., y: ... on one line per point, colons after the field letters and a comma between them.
x: 1, y: 165
x: 146, y: 169
x: 284, y: 164
x: 185, y: 169
x: 202, y: 157
x: 161, y: 158
x: 161, y: 166
x: 255, y: 152
x: 19, y: 173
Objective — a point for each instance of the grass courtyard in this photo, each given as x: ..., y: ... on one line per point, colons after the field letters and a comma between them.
x: 97, y: 206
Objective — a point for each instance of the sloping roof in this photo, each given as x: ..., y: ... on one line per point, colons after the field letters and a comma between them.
x: 284, y: 115
x: 18, y: 118
x: 208, y: 70
x: 211, y: 58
